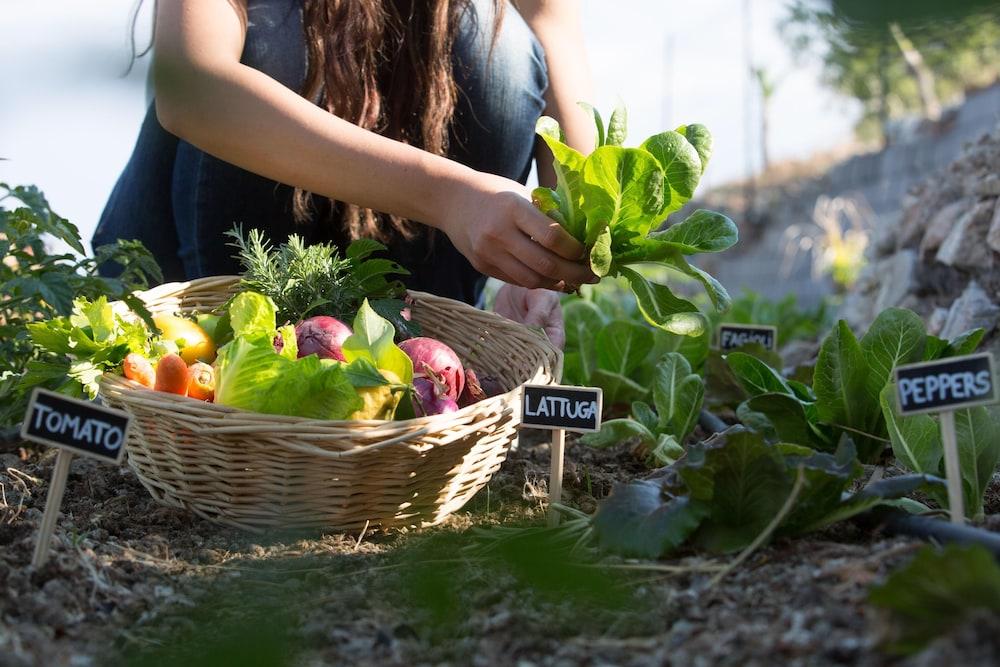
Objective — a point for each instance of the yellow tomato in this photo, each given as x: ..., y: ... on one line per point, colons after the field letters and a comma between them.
x: 379, y: 402
x: 194, y: 343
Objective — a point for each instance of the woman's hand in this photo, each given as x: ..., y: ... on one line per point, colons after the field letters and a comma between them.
x: 533, y: 307
x: 492, y: 221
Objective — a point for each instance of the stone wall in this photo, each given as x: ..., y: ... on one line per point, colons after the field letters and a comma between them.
x: 942, y: 259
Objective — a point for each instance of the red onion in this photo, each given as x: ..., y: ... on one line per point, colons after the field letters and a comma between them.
x: 429, y: 398
x: 434, y: 358
x: 323, y: 336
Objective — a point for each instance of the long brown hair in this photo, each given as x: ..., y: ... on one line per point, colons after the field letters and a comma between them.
x: 386, y: 66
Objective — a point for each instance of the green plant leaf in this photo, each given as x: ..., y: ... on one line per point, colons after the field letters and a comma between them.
x: 681, y: 167
x: 666, y: 451
x: 583, y: 321
x: 939, y: 590
x: 827, y: 476
x: 617, y: 126
x: 883, y: 492
x: 252, y: 313
x: 744, y: 482
x: 601, y: 257
x: 662, y: 308
x: 716, y: 292
x: 622, y: 189
x: 895, y: 337
x: 965, y: 343
x: 622, y: 346
x: 702, y: 231
x: 360, y: 249
x: 598, y: 122
x: 755, y: 376
x: 372, y: 340
x: 791, y: 420
x: 678, y: 394
x: 645, y: 415
x: 568, y: 165
x: 615, y: 431
x: 978, y: 436
x: 637, y: 520
x: 699, y: 137
x: 916, y: 439
x: 617, y: 388
x: 840, y: 380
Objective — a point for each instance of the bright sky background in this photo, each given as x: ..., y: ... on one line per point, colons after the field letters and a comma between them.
x: 68, y: 120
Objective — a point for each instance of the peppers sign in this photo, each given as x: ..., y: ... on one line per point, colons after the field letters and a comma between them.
x: 946, y: 384
x: 79, y: 426
x: 561, y: 407
x: 732, y: 336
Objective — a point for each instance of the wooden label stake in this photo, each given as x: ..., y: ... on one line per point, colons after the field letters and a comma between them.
x: 944, y: 386
x: 560, y: 408
x: 75, y: 427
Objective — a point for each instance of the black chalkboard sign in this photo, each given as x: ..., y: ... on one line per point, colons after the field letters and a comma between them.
x: 560, y: 407
x: 80, y: 426
x: 946, y: 384
x: 732, y: 336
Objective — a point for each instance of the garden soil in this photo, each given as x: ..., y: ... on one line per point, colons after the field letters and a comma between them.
x: 132, y: 583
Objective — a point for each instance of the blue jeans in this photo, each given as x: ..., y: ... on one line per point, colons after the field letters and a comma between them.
x: 179, y: 200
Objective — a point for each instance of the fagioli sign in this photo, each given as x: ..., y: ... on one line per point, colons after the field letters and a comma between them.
x: 80, y: 426
x: 734, y: 336
x: 946, y: 384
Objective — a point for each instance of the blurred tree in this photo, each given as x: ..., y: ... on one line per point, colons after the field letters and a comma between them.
x: 898, y: 57
x: 767, y: 84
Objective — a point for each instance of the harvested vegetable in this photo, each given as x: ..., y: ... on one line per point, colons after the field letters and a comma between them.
x: 614, y: 199
x: 137, y: 367
x: 435, y: 360
x: 380, y: 400
x: 172, y: 375
x: 194, y: 343
x: 431, y: 397
x: 323, y: 336
x: 202, y: 383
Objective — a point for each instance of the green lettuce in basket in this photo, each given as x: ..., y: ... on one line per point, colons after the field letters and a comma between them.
x: 258, y: 370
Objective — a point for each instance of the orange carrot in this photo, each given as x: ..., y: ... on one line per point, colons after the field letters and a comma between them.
x: 137, y: 367
x: 202, y: 382
x: 172, y: 375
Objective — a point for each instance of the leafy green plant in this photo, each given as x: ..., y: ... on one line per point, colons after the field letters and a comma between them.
x: 306, y: 280
x: 609, y: 345
x: 792, y: 321
x: 677, y: 396
x: 730, y: 489
x: 917, y: 446
x: 939, y: 590
x: 612, y: 199
x: 848, y: 380
x: 38, y: 283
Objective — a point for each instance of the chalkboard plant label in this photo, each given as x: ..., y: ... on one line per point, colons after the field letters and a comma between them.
x: 946, y: 384
x: 561, y: 407
x: 734, y: 336
x: 80, y: 426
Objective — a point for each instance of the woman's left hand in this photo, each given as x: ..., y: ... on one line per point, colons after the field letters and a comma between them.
x: 533, y: 307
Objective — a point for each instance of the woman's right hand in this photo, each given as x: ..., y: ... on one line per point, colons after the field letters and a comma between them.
x: 492, y: 221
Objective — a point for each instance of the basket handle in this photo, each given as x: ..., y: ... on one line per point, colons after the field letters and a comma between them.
x: 356, y: 451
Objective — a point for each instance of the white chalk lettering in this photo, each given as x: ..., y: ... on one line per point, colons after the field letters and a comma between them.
x: 40, y: 411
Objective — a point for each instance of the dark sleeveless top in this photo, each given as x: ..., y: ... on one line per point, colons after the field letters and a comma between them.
x: 180, y: 200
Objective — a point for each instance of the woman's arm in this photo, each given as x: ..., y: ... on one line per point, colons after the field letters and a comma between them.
x: 207, y: 97
x: 556, y: 24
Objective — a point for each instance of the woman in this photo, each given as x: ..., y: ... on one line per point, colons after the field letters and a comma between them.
x: 273, y: 113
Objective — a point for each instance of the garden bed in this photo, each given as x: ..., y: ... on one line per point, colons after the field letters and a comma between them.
x: 130, y: 582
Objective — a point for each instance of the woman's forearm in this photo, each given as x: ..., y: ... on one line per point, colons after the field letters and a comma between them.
x: 207, y: 97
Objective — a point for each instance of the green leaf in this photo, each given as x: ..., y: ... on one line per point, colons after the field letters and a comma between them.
x: 622, y: 189
x: 978, y: 435
x: 313, y: 388
x: 601, y: 257
x: 645, y: 415
x: 598, y: 122
x: 827, y: 476
x: 965, y: 343
x: 568, y: 165
x: 617, y: 388
x: 362, y: 373
x: 662, y: 308
x: 637, y: 520
x: 840, y: 381
x: 617, y: 126
x: 755, y: 376
x: 790, y: 418
x: 699, y: 137
x: 666, y: 451
x: 916, y: 439
x: 615, y: 431
x: 372, y: 340
x: 895, y: 337
x: 622, y: 346
x: 583, y: 321
x: 744, y: 482
x: 702, y: 231
x: 938, y: 591
x: 716, y: 292
x: 678, y: 394
x: 681, y: 166
x: 97, y: 314
x: 251, y: 313
x: 361, y: 249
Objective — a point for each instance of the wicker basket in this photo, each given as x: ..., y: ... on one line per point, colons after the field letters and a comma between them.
x: 257, y: 471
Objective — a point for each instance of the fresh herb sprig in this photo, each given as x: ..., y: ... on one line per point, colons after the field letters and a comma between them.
x: 307, y: 280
